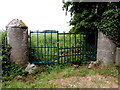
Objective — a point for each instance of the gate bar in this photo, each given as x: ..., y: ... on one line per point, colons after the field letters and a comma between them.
x: 58, y: 46
x: 30, y: 46
x: 37, y: 46
x: 75, y: 47
x: 64, y: 47
x: 51, y: 45
x: 45, y: 45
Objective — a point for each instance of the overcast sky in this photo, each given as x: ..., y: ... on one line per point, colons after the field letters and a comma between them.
x: 36, y: 14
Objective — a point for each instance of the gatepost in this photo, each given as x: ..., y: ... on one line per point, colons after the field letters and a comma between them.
x: 17, y: 38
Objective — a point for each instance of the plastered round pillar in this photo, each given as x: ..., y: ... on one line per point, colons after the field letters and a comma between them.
x: 17, y: 38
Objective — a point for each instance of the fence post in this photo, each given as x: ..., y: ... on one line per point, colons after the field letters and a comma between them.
x: 17, y: 38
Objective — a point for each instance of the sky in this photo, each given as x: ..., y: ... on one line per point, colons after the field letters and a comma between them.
x: 36, y: 14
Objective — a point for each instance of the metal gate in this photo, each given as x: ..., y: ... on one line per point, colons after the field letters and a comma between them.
x: 55, y: 47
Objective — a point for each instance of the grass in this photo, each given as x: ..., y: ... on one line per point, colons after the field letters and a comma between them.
x: 71, y: 76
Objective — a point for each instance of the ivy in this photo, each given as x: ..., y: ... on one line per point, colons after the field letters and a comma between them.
x: 100, y: 16
x: 9, y: 69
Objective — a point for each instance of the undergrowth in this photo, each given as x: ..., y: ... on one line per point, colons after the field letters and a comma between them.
x: 9, y: 69
x: 43, y: 75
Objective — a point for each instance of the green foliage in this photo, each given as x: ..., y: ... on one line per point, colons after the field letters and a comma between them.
x: 68, y: 72
x: 9, y: 69
x: 15, y: 84
x: 110, y: 24
x: 101, y: 16
x: 49, y: 68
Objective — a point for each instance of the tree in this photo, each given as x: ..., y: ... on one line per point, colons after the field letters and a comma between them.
x: 101, y: 16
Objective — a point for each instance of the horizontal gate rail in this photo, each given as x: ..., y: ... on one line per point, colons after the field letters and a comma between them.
x: 44, y: 47
x: 44, y: 55
x: 41, y: 32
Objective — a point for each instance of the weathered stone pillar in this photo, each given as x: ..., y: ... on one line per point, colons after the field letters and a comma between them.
x: 106, y: 50
x: 117, y: 61
x: 17, y: 38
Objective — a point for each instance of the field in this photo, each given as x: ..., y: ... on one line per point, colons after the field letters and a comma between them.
x: 60, y: 47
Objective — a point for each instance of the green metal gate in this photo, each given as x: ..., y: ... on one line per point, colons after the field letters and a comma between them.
x: 54, y: 47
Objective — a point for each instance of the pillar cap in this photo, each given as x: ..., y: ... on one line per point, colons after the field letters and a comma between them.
x: 17, y: 23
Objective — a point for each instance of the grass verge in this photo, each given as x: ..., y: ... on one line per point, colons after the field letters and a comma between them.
x: 71, y: 76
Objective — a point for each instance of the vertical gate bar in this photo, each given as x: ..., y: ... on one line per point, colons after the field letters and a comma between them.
x: 80, y: 45
x: 45, y: 46
x: 58, y: 46
x: 41, y: 53
x: 89, y: 46
x: 62, y: 43
x: 55, y: 46
x: 75, y: 47
x: 82, y: 40
x: 30, y: 47
x: 61, y: 46
x: 86, y: 45
x: 69, y: 59
x: 64, y: 47
x: 51, y: 45
x: 84, y: 35
x: 70, y: 46
x: 38, y: 48
x: 48, y: 54
x: 48, y: 49
x: 95, y: 44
